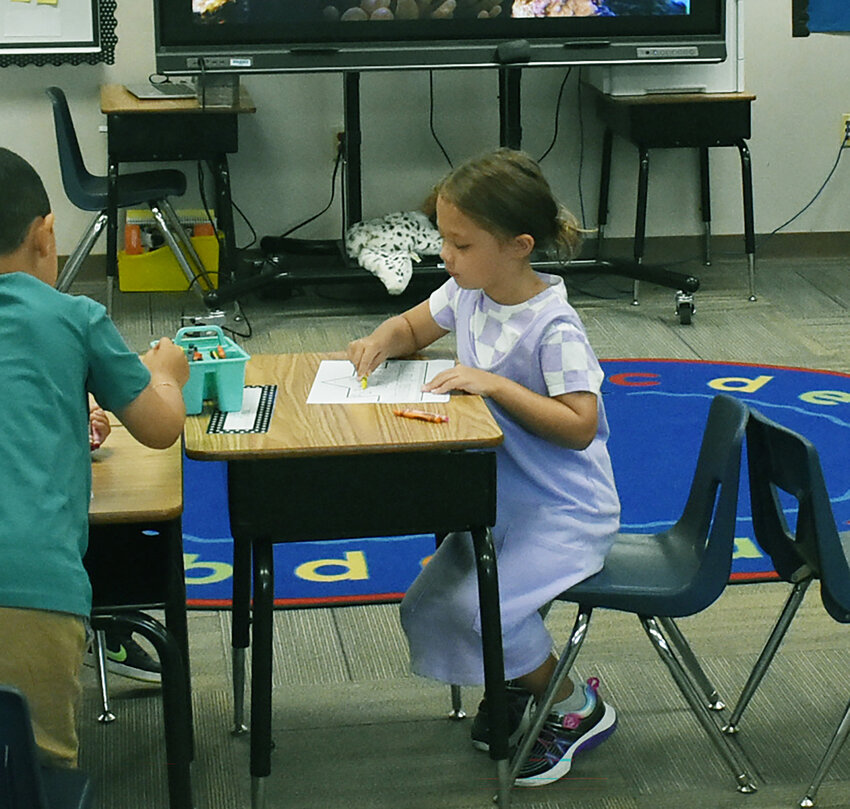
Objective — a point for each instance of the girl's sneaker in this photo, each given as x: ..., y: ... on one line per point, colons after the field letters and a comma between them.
x: 564, y: 735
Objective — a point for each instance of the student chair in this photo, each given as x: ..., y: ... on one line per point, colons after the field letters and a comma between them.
x: 176, y: 699
x: 672, y: 574
x: 91, y: 193
x: 24, y: 783
x: 780, y: 460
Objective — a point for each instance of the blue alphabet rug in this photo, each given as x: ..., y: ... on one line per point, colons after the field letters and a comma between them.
x: 656, y: 409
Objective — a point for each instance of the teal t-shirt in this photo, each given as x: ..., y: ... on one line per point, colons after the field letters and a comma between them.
x: 54, y: 348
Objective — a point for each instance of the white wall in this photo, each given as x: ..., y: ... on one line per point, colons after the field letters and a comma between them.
x: 282, y: 172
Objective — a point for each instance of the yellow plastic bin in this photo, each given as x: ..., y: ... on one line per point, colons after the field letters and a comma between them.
x: 212, y: 377
x: 158, y: 270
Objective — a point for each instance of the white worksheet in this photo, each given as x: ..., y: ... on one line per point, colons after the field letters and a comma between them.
x: 392, y: 382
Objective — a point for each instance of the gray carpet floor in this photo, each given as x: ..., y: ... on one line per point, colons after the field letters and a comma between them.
x: 354, y: 728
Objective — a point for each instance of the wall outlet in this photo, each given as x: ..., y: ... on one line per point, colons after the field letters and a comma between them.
x: 845, y: 130
x: 337, y: 137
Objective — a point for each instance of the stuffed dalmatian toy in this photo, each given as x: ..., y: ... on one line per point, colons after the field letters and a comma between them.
x: 388, y: 246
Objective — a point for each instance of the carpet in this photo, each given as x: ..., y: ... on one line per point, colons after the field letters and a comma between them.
x: 656, y: 410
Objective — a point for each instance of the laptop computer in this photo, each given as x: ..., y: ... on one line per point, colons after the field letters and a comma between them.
x: 147, y: 91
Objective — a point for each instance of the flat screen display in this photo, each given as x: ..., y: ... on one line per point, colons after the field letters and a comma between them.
x: 271, y: 35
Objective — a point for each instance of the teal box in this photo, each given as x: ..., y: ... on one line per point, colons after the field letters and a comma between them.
x: 211, y: 377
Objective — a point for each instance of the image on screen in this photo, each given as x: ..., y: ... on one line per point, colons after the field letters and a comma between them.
x: 258, y: 12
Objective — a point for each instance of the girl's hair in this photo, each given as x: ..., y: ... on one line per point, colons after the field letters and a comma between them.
x: 23, y: 202
x: 505, y: 193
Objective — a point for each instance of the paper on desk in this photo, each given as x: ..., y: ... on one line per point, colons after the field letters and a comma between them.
x: 392, y: 382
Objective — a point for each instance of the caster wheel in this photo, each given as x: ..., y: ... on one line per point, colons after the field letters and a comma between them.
x: 685, y: 311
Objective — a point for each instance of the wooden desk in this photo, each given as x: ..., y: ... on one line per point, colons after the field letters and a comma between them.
x: 678, y: 120
x: 338, y: 471
x: 135, y: 562
x: 172, y: 129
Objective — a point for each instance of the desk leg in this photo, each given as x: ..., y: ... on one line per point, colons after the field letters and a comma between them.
x: 749, y: 222
x: 640, y: 216
x: 261, y: 671
x: 175, y: 608
x: 494, y: 663
x: 240, y: 629
x: 604, y: 186
x: 705, y: 202
x: 111, y: 231
x: 224, y: 211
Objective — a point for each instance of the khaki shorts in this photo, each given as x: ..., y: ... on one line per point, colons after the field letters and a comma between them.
x: 41, y: 653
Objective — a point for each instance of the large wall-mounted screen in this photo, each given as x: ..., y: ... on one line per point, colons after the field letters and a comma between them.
x: 273, y: 35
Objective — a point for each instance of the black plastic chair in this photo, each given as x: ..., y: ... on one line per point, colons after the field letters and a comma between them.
x: 91, y: 193
x: 781, y: 460
x: 672, y: 574
x: 24, y: 782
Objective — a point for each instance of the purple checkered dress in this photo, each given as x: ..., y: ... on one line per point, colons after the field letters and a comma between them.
x: 558, y: 509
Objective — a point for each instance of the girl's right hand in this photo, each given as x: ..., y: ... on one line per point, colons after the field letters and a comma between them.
x: 365, y: 354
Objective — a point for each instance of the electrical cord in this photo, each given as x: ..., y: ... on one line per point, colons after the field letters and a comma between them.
x: 557, y: 116
x: 431, y: 118
x: 337, y: 164
x: 811, y: 202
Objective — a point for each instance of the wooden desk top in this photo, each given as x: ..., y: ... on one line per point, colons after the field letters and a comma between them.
x: 675, y: 98
x: 116, y: 98
x: 133, y: 483
x: 301, y: 429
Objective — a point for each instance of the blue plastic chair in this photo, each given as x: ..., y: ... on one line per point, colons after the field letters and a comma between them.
x: 781, y: 460
x: 24, y: 782
x: 91, y: 193
x: 672, y: 574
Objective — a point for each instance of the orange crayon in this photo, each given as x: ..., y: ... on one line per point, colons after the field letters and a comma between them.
x: 422, y: 415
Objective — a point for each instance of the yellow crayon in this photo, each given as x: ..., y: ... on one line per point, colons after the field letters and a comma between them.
x: 364, y: 382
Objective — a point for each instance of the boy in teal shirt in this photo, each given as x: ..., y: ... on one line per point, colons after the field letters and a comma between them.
x: 57, y: 349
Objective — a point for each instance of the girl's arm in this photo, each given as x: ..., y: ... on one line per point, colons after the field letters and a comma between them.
x: 569, y: 420
x: 398, y: 336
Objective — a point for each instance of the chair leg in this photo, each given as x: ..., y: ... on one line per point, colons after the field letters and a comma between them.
x: 175, y: 699
x: 185, y: 242
x: 691, y: 695
x: 174, y: 240
x: 712, y: 698
x: 99, y: 648
x: 562, y: 669
x: 75, y: 261
x: 838, y: 740
x: 792, y: 604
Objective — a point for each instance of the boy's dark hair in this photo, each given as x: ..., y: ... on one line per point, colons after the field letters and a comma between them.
x: 23, y: 201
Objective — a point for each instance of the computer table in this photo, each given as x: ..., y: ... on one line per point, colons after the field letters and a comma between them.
x: 168, y: 130
x: 324, y: 472
x: 135, y: 562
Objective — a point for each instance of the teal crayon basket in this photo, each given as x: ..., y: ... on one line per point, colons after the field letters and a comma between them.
x: 216, y: 369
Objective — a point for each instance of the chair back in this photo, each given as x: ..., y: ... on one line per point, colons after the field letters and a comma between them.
x: 709, y: 517
x: 20, y: 782
x: 782, y: 460
x: 76, y: 179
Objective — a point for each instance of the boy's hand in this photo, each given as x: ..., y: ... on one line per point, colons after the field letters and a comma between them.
x: 168, y: 359
x: 99, y: 426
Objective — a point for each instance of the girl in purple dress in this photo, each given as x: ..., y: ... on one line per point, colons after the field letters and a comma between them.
x: 523, y: 348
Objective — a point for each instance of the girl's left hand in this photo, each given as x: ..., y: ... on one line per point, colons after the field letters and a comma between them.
x: 461, y: 377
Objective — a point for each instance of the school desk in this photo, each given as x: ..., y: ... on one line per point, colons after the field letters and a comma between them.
x: 671, y: 121
x: 172, y: 129
x: 324, y: 472
x: 135, y: 562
